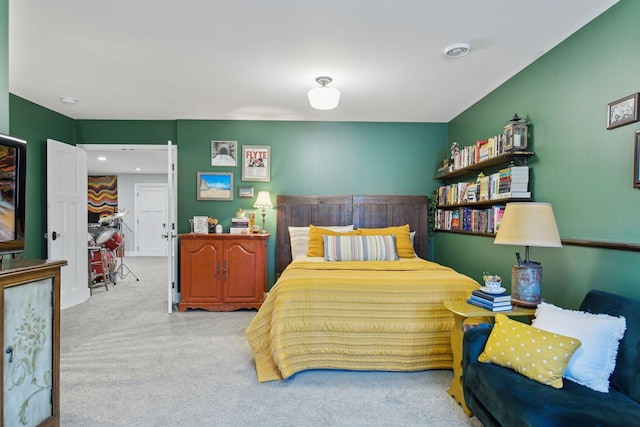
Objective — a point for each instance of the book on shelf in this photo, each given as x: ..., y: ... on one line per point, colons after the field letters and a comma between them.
x: 491, y: 303
x: 491, y: 297
x: 489, y: 306
x: 498, y: 211
x: 514, y: 195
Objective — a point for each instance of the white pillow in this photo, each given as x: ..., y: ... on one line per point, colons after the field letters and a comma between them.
x: 600, y: 334
x: 299, y: 237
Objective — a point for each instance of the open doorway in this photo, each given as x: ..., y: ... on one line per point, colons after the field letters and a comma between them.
x: 140, y: 203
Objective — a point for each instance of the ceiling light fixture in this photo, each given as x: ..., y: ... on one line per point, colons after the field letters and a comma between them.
x: 68, y: 100
x: 324, y: 97
x: 102, y: 158
x: 457, y: 50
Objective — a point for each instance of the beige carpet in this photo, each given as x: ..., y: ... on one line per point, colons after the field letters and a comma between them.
x: 126, y: 362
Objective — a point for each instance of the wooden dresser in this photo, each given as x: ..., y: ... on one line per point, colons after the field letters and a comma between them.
x: 222, y: 272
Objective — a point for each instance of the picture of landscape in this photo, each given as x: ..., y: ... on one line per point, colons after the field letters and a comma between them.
x: 7, y: 192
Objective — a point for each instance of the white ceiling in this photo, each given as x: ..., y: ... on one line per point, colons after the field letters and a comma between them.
x: 256, y: 59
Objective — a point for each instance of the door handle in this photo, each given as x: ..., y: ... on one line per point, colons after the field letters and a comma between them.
x: 9, y: 351
x: 54, y: 235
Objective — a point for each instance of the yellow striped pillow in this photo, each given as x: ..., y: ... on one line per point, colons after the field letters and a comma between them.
x: 360, y: 248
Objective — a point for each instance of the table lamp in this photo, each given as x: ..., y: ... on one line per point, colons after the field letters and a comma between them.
x: 527, y: 224
x: 263, y: 202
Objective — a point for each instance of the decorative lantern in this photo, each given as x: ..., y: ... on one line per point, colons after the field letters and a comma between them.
x: 515, y: 133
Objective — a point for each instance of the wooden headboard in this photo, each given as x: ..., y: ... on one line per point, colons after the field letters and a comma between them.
x: 361, y: 211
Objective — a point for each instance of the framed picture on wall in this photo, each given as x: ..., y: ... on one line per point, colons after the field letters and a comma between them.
x: 245, y: 192
x: 215, y: 186
x: 256, y: 163
x: 636, y: 160
x: 623, y: 111
x: 224, y: 153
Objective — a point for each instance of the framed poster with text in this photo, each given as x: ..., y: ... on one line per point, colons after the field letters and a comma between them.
x: 256, y: 163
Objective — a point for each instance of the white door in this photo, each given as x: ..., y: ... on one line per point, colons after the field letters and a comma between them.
x: 151, y: 219
x: 171, y: 236
x: 67, y: 218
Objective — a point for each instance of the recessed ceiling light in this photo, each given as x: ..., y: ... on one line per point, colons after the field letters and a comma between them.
x: 68, y: 100
x: 102, y: 158
x: 137, y: 169
x: 457, y: 50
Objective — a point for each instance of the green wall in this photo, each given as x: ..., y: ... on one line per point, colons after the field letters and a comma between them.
x: 584, y: 170
x: 307, y: 158
x: 4, y: 66
x: 580, y: 167
x: 35, y: 124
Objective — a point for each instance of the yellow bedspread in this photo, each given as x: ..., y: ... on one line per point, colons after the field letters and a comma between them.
x: 372, y: 315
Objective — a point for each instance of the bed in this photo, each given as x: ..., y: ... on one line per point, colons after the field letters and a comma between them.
x: 356, y: 315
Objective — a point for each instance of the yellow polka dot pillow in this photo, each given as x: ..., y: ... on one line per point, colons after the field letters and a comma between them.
x: 540, y: 355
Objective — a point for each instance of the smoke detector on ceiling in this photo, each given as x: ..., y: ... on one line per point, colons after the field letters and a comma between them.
x: 457, y: 50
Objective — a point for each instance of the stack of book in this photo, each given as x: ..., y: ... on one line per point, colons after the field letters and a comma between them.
x: 239, y: 225
x: 513, y: 182
x: 492, y: 302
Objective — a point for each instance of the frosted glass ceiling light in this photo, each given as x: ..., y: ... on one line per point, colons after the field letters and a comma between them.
x: 324, y: 97
x: 457, y: 50
x: 68, y: 100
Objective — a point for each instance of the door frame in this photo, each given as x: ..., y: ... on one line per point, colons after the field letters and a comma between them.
x: 172, y: 176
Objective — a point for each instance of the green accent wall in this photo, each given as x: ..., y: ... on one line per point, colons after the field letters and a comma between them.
x: 4, y: 66
x: 313, y: 158
x: 36, y: 124
x: 584, y: 170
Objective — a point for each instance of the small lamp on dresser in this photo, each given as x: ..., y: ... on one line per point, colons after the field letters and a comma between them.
x: 263, y: 202
x: 527, y: 224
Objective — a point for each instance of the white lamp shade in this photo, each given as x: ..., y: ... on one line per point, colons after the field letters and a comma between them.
x: 263, y: 201
x: 528, y: 224
x: 324, y: 97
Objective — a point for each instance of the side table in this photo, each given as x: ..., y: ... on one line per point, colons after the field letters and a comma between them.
x: 462, y: 311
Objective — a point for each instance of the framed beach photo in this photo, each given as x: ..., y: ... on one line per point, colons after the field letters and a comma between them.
x: 623, y: 111
x: 256, y: 163
x: 224, y: 153
x: 245, y: 192
x: 215, y: 186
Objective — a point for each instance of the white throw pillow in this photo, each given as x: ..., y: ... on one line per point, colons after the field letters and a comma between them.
x: 299, y: 237
x: 600, y: 334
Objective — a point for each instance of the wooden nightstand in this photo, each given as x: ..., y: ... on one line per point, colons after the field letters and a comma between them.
x: 461, y: 312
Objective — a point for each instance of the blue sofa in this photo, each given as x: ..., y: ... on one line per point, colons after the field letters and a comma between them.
x: 499, y: 396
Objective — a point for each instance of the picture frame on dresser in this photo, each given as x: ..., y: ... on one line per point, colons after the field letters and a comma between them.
x: 636, y: 160
x: 623, y: 111
x: 215, y: 186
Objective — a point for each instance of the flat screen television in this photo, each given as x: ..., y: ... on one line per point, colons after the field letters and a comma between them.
x: 13, y: 165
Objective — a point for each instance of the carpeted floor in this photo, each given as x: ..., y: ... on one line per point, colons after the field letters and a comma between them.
x: 126, y: 362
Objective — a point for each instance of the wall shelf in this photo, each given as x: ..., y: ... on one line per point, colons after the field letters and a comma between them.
x: 493, y: 161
